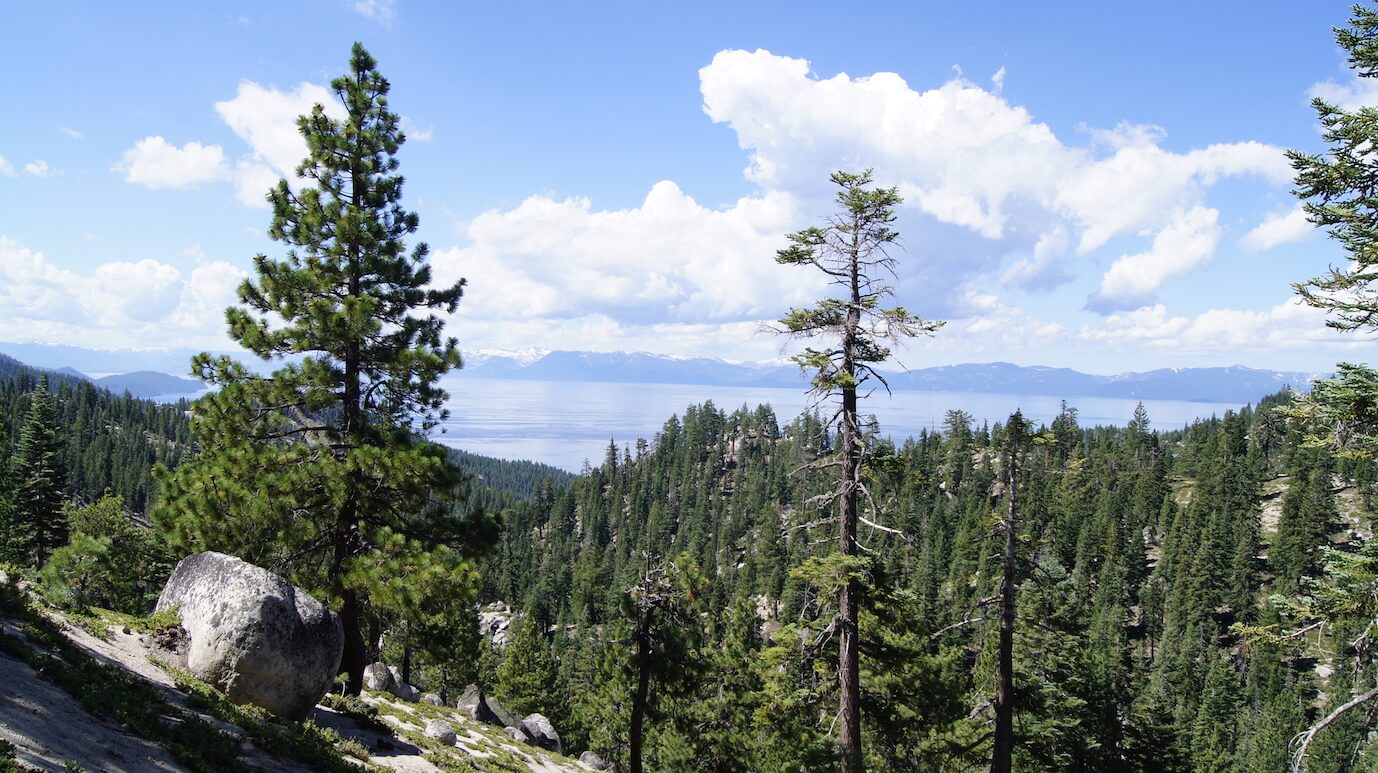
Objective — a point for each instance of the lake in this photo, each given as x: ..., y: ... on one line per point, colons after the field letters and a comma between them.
x: 565, y: 423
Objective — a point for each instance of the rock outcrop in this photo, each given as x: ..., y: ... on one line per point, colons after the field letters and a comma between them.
x: 378, y: 677
x: 482, y: 708
x: 401, y: 689
x: 441, y: 731
x: 253, y: 634
x: 593, y: 761
x: 542, y: 733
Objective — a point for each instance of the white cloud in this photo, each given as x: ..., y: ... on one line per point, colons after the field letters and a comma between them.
x: 6, y: 168
x: 967, y: 157
x: 266, y: 119
x: 70, y: 133
x: 415, y: 132
x: 147, y: 301
x: 1356, y: 93
x: 1044, y: 270
x: 1278, y: 229
x: 38, y: 168
x: 1184, y: 244
x: 379, y: 10
x: 155, y: 163
x: 668, y: 259
x: 1288, y: 326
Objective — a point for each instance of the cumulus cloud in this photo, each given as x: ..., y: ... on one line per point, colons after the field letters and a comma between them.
x: 6, y: 168
x: 146, y: 300
x: 1184, y: 244
x: 70, y: 133
x: 266, y: 119
x: 1289, y: 326
x: 155, y: 163
x: 1351, y: 95
x: 38, y: 168
x: 668, y: 259
x: 966, y: 157
x: 1278, y: 229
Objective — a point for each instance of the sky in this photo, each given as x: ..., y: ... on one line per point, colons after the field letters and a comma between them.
x: 1091, y: 185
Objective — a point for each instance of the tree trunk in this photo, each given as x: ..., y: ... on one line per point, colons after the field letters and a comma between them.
x: 643, y: 688
x: 352, y: 661
x: 848, y: 661
x: 1004, y: 667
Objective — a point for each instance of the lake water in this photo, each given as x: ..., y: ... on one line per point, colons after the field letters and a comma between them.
x: 564, y: 423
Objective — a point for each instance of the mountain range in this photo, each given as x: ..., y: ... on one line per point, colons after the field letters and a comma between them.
x: 143, y: 373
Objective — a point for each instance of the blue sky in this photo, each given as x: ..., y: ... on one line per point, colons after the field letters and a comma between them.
x: 1099, y: 186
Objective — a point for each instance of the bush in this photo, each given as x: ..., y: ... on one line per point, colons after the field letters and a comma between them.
x: 110, y: 562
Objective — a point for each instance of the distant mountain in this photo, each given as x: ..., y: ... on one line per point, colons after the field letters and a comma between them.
x: 1234, y: 384
x: 55, y: 356
x: 147, y: 384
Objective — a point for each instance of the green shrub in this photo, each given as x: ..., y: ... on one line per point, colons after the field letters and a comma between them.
x: 109, y: 562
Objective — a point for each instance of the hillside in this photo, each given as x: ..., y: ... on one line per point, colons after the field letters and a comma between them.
x: 1144, y: 552
x: 95, y: 694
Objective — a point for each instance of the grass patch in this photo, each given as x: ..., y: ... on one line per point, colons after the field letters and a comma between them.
x: 153, y: 623
x: 356, y: 709
x: 319, y: 747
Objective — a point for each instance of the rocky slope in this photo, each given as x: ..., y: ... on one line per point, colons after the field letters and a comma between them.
x: 94, y: 693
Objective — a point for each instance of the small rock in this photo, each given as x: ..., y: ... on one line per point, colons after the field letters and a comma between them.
x: 542, y: 733
x: 593, y: 761
x: 517, y: 734
x: 377, y: 677
x: 441, y: 731
x: 1324, y: 671
x: 432, y: 699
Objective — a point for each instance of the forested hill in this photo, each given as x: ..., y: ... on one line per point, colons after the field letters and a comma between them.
x: 105, y: 442
x: 110, y: 442
x: 1144, y: 557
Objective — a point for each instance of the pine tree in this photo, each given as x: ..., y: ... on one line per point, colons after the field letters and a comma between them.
x: 37, y: 525
x: 1016, y: 436
x: 526, y: 680
x: 319, y: 470
x: 853, y: 250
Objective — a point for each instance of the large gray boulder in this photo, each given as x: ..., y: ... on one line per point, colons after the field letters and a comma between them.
x: 541, y: 732
x: 441, y: 731
x: 482, y: 708
x: 591, y: 760
x: 253, y: 634
x: 400, y: 689
x: 378, y: 677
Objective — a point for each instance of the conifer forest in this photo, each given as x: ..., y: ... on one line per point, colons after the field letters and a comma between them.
x: 743, y: 590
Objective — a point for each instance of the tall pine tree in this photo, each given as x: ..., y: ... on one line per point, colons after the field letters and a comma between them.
x: 319, y: 470
x: 853, y: 250
x: 37, y: 525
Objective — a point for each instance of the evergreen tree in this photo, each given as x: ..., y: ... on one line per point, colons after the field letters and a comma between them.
x: 318, y: 470
x: 37, y: 525
x: 1016, y: 435
x: 853, y: 250
x: 526, y: 680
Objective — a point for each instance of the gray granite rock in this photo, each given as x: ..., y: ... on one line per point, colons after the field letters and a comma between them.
x: 253, y: 634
